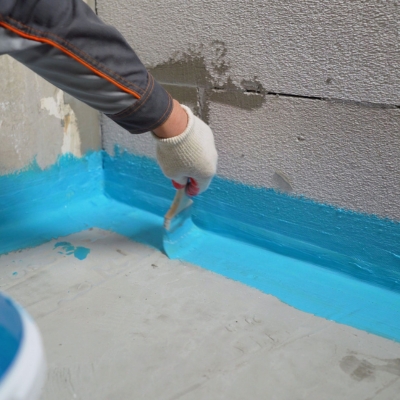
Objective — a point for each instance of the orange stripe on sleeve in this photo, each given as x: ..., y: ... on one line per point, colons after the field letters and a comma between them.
x: 70, y: 54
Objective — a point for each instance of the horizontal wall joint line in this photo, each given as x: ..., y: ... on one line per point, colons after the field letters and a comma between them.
x: 263, y: 92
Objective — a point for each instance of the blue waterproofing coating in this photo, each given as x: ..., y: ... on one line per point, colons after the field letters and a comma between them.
x: 11, y: 334
x: 363, y: 246
x: 333, y: 263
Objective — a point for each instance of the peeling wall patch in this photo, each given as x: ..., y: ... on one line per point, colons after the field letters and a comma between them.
x: 56, y: 107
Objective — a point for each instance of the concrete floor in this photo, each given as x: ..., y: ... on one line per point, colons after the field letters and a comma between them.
x: 128, y: 323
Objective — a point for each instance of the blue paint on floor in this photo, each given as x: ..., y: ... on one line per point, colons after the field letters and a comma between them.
x: 363, y: 246
x: 79, y: 252
x: 333, y: 263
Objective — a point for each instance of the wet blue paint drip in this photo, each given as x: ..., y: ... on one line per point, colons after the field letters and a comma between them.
x: 333, y: 263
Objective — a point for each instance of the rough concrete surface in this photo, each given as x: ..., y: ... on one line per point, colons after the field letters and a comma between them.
x: 342, y: 154
x: 336, y: 153
x: 331, y: 49
x: 240, y: 66
x: 128, y: 323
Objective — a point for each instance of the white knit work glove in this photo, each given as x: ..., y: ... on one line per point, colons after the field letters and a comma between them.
x: 189, y: 159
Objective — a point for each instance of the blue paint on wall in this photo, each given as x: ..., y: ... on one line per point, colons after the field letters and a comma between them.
x: 31, y: 200
x: 363, y: 246
x: 333, y: 263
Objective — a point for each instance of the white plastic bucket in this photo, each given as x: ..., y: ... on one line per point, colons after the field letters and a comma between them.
x: 22, y: 360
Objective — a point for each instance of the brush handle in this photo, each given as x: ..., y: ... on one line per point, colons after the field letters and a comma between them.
x: 173, y: 210
x: 180, y: 202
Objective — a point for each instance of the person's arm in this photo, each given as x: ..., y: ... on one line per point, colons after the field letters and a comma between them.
x: 69, y: 46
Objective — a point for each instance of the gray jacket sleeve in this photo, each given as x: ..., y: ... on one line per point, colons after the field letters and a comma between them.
x: 68, y: 45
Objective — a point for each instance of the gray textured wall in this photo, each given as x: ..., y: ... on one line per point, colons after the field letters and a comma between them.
x: 38, y: 121
x: 302, y: 96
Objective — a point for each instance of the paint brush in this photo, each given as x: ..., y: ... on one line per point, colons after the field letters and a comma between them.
x: 177, y: 223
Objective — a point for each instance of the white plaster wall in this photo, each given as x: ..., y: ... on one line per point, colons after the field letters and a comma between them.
x: 345, y: 151
x: 38, y: 121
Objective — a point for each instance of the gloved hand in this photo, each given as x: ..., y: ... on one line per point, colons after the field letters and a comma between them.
x: 189, y: 159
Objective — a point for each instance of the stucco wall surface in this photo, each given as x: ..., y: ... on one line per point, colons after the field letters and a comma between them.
x: 335, y: 153
x: 326, y: 48
x: 303, y: 96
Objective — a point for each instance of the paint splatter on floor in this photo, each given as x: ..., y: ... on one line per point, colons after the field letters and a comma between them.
x: 68, y: 249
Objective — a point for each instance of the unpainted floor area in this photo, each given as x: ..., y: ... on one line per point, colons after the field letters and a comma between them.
x: 128, y: 323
